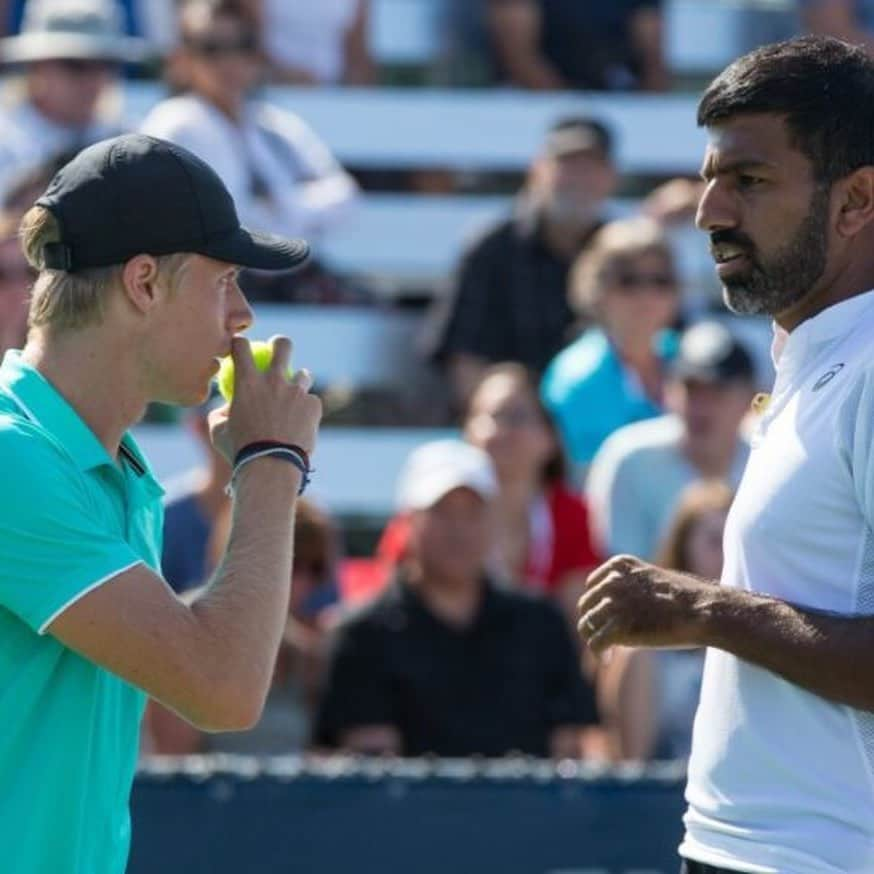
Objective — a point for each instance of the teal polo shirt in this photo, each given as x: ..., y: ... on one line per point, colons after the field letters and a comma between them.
x: 71, y: 519
x: 591, y: 393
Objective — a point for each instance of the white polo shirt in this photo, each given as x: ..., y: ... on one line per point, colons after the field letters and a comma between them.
x: 781, y: 780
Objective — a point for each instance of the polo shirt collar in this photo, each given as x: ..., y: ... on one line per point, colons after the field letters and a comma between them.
x: 833, y: 322
x: 41, y: 402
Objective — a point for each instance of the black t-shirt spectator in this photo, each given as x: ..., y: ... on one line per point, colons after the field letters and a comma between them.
x: 590, y: 42
x: 509, y: 301
x: 499, y: 686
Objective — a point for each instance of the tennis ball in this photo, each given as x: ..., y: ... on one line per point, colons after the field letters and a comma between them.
x: 262, y: 355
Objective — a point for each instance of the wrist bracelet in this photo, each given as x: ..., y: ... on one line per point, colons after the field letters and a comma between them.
x: 286, y: 451
x: 259, y: 445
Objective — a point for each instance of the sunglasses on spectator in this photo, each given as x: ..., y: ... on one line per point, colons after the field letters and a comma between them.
x: 86, y: 66
x: 632, y: 283
x: 215, y: 48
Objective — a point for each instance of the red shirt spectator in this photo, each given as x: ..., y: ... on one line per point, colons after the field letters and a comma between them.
x: 543, y: 540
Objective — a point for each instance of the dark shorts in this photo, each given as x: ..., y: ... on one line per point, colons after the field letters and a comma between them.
x: 690, y: 867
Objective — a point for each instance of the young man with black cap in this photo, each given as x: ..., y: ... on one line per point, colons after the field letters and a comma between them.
x: 138, y: 244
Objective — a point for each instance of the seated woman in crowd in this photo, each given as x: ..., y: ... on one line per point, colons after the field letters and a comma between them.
x: 542, y: 529
x: 648, y: 697
x: 288, y: 714
x: 613, y: 374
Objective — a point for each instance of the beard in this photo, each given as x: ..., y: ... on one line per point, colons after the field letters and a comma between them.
x: 775, y: 284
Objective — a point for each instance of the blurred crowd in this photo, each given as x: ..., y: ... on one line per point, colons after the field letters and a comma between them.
x: 602, y: 404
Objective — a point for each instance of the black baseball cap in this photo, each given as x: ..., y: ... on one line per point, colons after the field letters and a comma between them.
x: 709, y: 352
x: 136, y: 194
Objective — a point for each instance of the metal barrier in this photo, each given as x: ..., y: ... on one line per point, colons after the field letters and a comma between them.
x: 227, y: 815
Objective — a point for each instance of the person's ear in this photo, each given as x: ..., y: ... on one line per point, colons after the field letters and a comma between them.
x: 855, y: 201
x: 139, y: 277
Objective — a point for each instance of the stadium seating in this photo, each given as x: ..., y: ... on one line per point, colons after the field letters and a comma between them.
x: 405, y: 244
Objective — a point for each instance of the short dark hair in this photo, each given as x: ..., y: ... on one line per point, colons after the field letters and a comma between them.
x: 823, y: 87
x: 600, y: 134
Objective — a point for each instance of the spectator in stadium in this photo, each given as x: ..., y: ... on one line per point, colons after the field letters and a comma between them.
x: 550, y: 45
x: 70, y: 55
x: 152, y: 20
x: 15, y: 280
x: 639, y: 472
x: 613, y: 374
x: 648, y: 698
x: 286, y: 723
x: 849, y: 20
x: 317, y: 43
x: 283, y: 178
x: 16, y: 275
x: 447, y: 660
x: 509, y: 301
x: 541, y: 529
x: 193, y: 505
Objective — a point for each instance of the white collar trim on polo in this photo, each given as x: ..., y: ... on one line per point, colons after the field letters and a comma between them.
x: 791, y: 348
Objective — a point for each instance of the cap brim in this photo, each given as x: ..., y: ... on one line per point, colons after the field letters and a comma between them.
x: 430, y: 489
x: 258, y: 251
x: 27, y: 48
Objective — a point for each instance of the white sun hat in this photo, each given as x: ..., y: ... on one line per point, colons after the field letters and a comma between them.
x: 72, y: 30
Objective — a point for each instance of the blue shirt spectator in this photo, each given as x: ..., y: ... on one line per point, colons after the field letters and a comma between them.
x: 614, y: 373
x: 592, y: 392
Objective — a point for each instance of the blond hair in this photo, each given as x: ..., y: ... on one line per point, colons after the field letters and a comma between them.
x: 63, y: 301
x: 616, y: 242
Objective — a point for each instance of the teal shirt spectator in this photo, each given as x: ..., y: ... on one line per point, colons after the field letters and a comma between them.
x: 71, y: 519
x: 590, y: 392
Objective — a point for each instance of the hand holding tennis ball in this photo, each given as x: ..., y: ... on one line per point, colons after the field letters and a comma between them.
x: 262, y: 354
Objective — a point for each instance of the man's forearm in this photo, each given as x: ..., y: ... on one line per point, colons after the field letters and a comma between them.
x: 826, y: 654
x: 245, y: 607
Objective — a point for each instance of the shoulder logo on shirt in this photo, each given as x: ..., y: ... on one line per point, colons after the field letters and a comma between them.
x: 828, y: 376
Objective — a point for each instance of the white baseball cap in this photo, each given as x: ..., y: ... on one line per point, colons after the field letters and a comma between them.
x: 435, y: 469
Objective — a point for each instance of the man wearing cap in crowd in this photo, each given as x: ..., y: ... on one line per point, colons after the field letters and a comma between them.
x: 447, y: 660
x: 640, y: 471
x: 138, y: 246
x: 509, y: 297
x: 70, y: 53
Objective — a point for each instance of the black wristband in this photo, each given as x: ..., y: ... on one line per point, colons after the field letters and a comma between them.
x: 289, y: 452
x: 261, y: 445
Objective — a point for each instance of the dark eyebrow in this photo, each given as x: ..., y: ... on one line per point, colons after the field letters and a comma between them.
x: 738, y: 166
